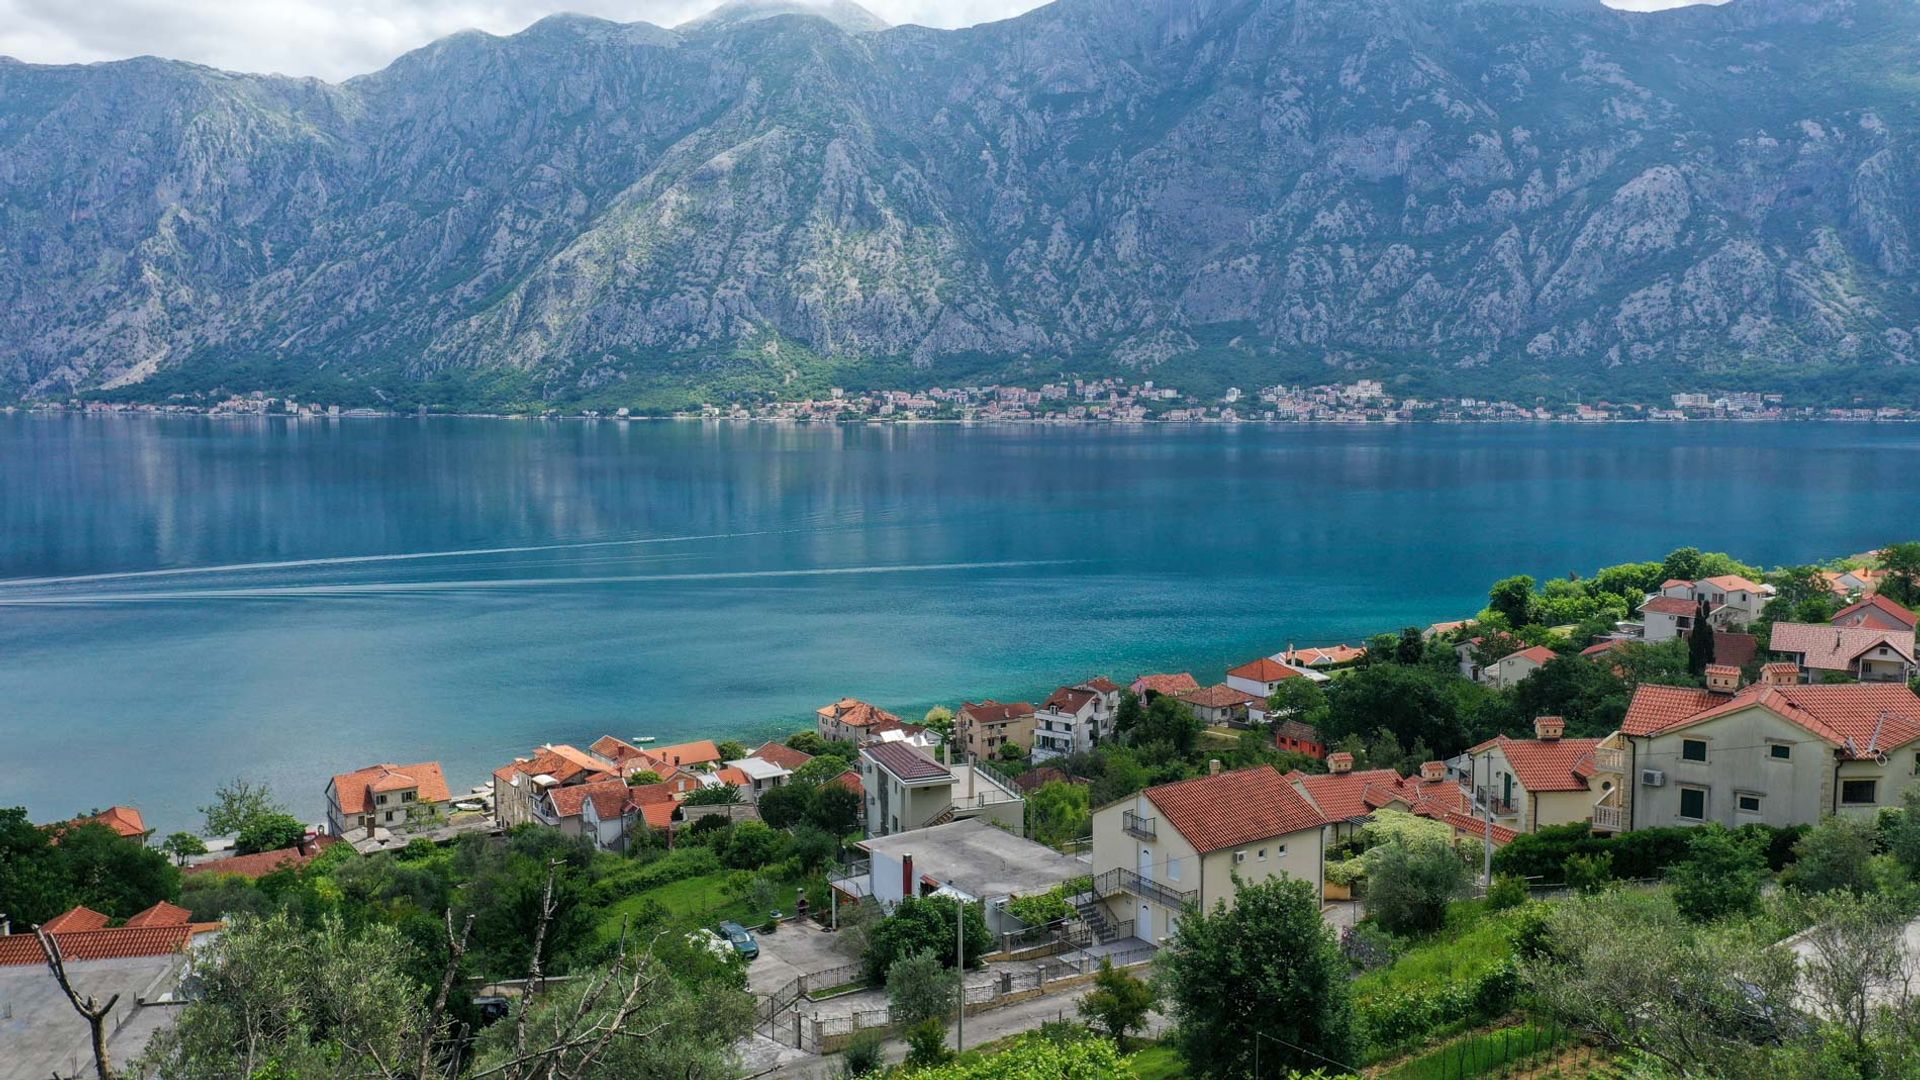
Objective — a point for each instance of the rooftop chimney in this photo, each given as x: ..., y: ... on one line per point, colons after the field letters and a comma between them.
x: 1783, y: 673
x: 1549, y: 728
x: 1339, y: 762
x: 1433, y: 771
x: 1213, y: 767
x: 1722, y: 678
x: 906, y: 874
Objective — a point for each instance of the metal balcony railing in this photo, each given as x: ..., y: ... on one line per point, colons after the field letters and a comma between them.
x: 1135, y: 825
x: 1124, y: 880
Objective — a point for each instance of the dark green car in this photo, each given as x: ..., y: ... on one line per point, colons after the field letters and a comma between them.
x: 740, y: 938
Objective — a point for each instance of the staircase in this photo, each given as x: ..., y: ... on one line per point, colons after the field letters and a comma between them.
x: 941, y: 818
x: 1096, y: 919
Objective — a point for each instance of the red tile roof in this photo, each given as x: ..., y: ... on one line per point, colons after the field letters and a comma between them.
x: 354, y: 790
x: 1297, y: 731
x: 1469, y: 826
x: 1547, y: 764
x: 1730, y: 583
x: 124, y: 820
x: 905, y: 761
x: 1539, y: 654
x: 698, y: 752
x: 616, y: 749
x: 549, y: 761
x: 79, y: 918
x: 851, y: 781
x: 1879, y: 603
x: 1606, y: 646
x: 1068, y: 699
x: 1735, y: 649
x: 161, y: 914
x: 1032, y: 779
x: 996, y: 712
x: 782, y: 755
x: 1671, y: 605
x: 1834, y: 648
x: 110, y: 944
x: 1234, y: 808
x: 1264, y: 670
x: 1164, y: 684
x: 262, y: 863
x: 1219, y: 696
x: 730, y: 774
x: 1868, y: 716
x: 1102, y: 684
x: 609, y: 798
x: 1345, y: 796
x: 852, y: 712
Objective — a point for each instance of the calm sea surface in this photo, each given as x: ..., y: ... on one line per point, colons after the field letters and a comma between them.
x: 190, y: 599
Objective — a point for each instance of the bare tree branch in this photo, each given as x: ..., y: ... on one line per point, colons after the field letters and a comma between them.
x: 456, y: 949
x: 88, y: 1007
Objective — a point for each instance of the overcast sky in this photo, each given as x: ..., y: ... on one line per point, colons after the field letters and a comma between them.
x: 335, y: 39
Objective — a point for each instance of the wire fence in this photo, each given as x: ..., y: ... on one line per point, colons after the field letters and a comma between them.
x: 1532, y: 1049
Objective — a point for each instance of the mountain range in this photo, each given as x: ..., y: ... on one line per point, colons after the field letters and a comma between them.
x: 1468, y: 193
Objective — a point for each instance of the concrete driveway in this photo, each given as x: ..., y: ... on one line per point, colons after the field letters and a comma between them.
x: 799, y: 948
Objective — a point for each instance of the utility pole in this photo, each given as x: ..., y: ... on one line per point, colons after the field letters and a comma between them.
x: 960, y: 970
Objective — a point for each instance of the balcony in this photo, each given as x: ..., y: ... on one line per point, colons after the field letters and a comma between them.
x: 1610, y: 759
x: 1609, y: 818
x: 1135, y: 825
x: 1124, y: 880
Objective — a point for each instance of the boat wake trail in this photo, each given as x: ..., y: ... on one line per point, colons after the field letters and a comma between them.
x: 482, y: 585
x: 362, y: 560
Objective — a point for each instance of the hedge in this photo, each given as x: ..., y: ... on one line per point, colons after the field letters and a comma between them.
x: 1402, y: 1018
x: 1642, y: 853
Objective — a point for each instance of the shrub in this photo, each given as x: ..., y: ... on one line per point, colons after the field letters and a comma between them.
x: 1409, y: 886
x: 1507, y: 892
x: 1118, y: 1003
x: 927, y: 1045
x: 918, y: 989
x: 1835, y: 855
x: 1720, y: 876
x: 924, y: 922
x: 1589, y: 873
x: 1041, y: 909
x: 865, y: 1054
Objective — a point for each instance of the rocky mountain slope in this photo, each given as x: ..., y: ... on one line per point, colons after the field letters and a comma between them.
x: 1497, y: 186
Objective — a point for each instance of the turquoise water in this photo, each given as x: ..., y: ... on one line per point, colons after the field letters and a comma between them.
x: 190, y: 599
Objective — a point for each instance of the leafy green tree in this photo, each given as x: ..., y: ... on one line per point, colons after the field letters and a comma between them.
x: 1409, y: 885
x: 1835, y: 855
x: 269, y: 832
x: 1902, y: 831
x: 1128, y: 714
x: 1168, y: 720
x: 644, y: 777
x: 1902, y: 564
x: 927, y: 1045
x: 1800, y: 595
x: 1058, y: 812
x: 1411, y: 648
x: 1587, y: 694
x: 753, y: 844
x: 714, y: 795
x: 1513, y: 599
x: 1121, y: 774
x: 1298, y: 699
x: 1286, y: 976
x: 1118, y: 1004
x: 789, y: 804
x: 236, y: 804
x: 939, y: 720
x: 1700, y: 640
x: 919, y: 988
x: 807, y: 742
x: 182, y: 845
x: 1682, y: 564
x: 837, y: 809
x: 1720, y: 877
x: 1507, y: 892
x: 813, y: 848
x: 925, y: 923
x: 34, y: 885
x: 1408, y: 701
x: 865, y: 1055
x: 1588, y: 873
x: 732, y: 750
x: 113, y: 874
x: 1662, y: 664
x: 820, y: 770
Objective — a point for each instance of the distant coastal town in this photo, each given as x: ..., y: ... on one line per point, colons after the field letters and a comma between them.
x: 1111, y: 400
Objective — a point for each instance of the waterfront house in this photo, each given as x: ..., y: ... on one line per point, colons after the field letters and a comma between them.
x: 1545, y: 780
x: 1866, y: 653
x: 904, y: 788
x: 1778, y: 752
x: 1222, y: 706
x: 756, y: 776
x: 848, y: 719
x: 391, y: 797
x: 982, y: 728
x: 518, y: 786
x: 1164, y: 848
x: 123, y: 820
x: 1073, y: 719
x: 1333, y: 656
x: 1262, y: 677
x: 1666, y: 618
x: 1148, y: 687
x: 781, y: 754
x: 607, y: 811
x: 1875, y: 612
x: 1851, y: 583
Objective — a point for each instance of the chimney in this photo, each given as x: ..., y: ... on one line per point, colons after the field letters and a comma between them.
x: 1722, y: 678
x: 1433, y: 772
x: 1782, y: 673
x: 1549, y: 728
x: 305, y: 846
x: 906, y: 874
x: 1213, y: 767
x: 1339, y: 762
x: 6, y: 925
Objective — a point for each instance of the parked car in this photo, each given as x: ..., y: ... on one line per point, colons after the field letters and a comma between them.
x: 740, y: 938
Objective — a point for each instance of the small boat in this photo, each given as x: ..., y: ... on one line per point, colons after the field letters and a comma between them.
x: 644, y: 739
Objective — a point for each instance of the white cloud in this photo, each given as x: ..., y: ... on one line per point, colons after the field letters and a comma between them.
x: 335, y: 39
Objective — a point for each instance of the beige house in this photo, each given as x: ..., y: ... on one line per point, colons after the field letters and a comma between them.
x: 1512, y: 668
x: 1168, y: 847
x: 1864, y: 652
x: 905, y: 789
x: 391, y: 797
x: 518, y: 787
x: 982, y: 728
x: 1778, y: 752
x: 849, y: 719
x: 1546, y: 780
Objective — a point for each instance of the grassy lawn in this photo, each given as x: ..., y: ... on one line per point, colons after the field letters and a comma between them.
x: 1156, y: 1063
x: 697, y: 901
x: 1473, y: 943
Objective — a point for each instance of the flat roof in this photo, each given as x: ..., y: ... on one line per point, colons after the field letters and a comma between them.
x: 43, y: 1035
x: 979, y: 859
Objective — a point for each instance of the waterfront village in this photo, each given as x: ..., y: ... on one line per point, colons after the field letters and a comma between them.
x: 1112, y: 400
x: 1576, y: 733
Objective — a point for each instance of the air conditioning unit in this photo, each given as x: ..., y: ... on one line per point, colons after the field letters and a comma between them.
x: 1652, y: 778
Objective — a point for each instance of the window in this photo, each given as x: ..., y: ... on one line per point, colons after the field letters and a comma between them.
x: 1747, y: 803
x: 1780, y: 751
x: 1173, y: 869
x: 1263, y: 855
x: 1859, y: 792
x: 406, y: 796
x: 1916, y: 763
x: 1280, y: 851
x: 1693, y: 803
x: 1693, y: 749
x: 380, y: 799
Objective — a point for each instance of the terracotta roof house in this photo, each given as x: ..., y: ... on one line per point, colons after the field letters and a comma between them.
x: 695, y: 754
x: 1148, y: 685
x: 1261, y: 677
x: 1665, y: 618
x: 982, y: 728
x: 851, y: 781
x: 1300, y: 738
x: 394, y: 797
x: 1073, y: 719
x: 1876, y: 612
x: 1778, y: 752
x: 1331, y: 656
x: 84, y: 935
x: 517, y: 786
x: 1509, y: 670
x: 606, y: 811
x: 1033, y: 779
x: 1442, y: 629
x: 1546, y: 780
x: 846, y: 720
x: 1738, y: 650
x: 1221, y: 705
x: 261, y: 863
x: 1866, y: 653
x: 1160, y: 849
x: 1348, y: 798
x: 124, y: 820
x: 782, y: 755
